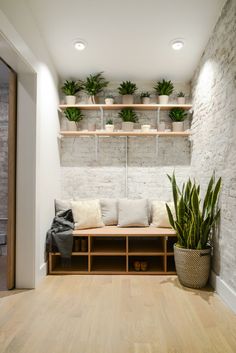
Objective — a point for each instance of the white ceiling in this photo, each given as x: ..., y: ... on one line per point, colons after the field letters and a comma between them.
x: 127, y: 39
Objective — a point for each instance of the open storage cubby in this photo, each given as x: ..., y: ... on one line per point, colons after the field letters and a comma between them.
x: 113, y: 250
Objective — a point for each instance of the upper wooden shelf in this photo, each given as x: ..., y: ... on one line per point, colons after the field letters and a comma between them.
x: 124, y: 133
x: 121, y: 106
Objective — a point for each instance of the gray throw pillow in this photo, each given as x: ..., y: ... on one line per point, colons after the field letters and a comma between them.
x: 109, y: 211
x: 62, y: 205
x: 133, y: 213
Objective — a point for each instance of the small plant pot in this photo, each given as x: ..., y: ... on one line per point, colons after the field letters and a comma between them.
x: 146, y: 100
x: 109, y: 101
x: 192, y: 266
x: 127, y: 126
x: 145, y: 128
x: 70, y: 100
x: 177, y: 126
x: 128, y: 99
x: 161, y: 126
x: 71, y: 125
x: 163, y: 99
x: 181, y: 100
x: 109, y: 128
x: 137, y: 265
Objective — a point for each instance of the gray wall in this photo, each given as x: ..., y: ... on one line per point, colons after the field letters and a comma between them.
x: 214, y: 133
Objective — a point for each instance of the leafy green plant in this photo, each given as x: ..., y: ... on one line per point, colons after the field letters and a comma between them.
x: 73, y: 114
x: 164, y: 88
x: 145, y: 95
x: 127, y: 87
x: 127, y: 114
x: 110, y: 96
x: 181, y: 94
x: 70, y: 88
x: 177, y: 114
x: 109, y: 122
x: 94, y: 84
x: 193, y: 220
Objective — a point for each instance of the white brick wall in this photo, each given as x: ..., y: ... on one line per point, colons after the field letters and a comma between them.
x: 214, y: 133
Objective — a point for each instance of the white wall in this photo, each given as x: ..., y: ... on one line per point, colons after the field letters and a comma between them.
x: 38, y: 178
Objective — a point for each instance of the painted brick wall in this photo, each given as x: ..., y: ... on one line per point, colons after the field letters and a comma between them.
x: 214, y: 132
x: 3, y: 156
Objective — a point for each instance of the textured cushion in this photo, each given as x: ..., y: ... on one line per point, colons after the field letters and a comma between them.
x: 62, y: 205
x: 109, y: 211
x: 133, y: 213
x: 87, y: 214
x: 159, y: 214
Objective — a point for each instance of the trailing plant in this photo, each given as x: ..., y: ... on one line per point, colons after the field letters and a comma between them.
x: 109, y: 122
x: 177, y: 114
x: 128, y: 115
x: 127, y: 87
x: 164, y: 88
x: 94, y: 84
x: 70, y: 88
x: 193, y: 220
x: 73, y: 114
x: 181, y: 94
x: 145, y: 95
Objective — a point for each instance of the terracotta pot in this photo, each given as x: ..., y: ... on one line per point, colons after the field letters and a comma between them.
x: 163, y: 99
x: 128, y: 99
x: 146, y: 100
x: 70, y: 100
x: 181, y: 100
x: 177, y: 126
x: 127, y: 126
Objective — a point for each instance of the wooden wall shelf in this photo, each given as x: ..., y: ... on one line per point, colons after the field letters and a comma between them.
x: 116, y: 253
x: 121, y: 106
x: 124, y: 133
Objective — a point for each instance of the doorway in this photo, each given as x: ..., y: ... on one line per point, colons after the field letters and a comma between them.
x: 7, y: 175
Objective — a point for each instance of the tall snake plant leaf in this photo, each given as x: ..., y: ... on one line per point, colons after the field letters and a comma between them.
x: 208, y: 194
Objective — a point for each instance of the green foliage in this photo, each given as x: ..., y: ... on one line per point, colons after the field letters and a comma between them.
x: 109, y: 122
x: 73, y: 114
x: 177, y: 114
x: 70, y: 88
x: 127, y: 87
x: 94, y: 84
x: 110, y: 96
x: 145, y: 94
x: 193, y: 220
x: 164, y: 88
x: 181, y: 94
x: 127, y: 114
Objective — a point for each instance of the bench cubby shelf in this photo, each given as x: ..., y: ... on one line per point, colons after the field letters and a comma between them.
x: 114, y: 251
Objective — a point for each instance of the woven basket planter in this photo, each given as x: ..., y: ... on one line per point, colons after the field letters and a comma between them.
x: 192, y: 266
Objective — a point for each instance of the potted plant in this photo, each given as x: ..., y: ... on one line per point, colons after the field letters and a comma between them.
x: 109, y: 99
x: 73, y: 116
x: 70, y: 88
x: 109, y: 125
x: 193, y: 221
x: 177, y: 115
x: 181, y: 98
x: 93, y: 85
x: 129, y: 117
x: 145, y: 97
x: 127, y: 90
x: 164, y: 89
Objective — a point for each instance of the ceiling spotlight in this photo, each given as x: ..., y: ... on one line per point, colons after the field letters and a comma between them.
x: 177, y: 44
x: 80, y: 44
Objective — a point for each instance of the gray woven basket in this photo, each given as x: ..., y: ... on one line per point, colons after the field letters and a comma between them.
x: 192, y: 266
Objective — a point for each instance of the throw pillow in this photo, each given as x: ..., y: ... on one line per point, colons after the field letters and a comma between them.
x: 87, y: 214
x: 109, y: 211
x: 62, y: 205
x: 133, y: 213
x: 159, y: 214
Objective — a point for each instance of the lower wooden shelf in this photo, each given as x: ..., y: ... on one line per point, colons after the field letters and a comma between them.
x: 116, y: 255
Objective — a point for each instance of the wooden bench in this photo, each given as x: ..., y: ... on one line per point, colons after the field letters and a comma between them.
x: 113, y: 250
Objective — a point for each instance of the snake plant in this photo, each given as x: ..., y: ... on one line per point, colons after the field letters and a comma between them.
x: 128, y: 115
x: 70, y: 88
x: 164, y: 88
x: 94, y: 84
x: 127, y: 87
x: 177, y: 114
x: 193, y: 220
x: 73, y: 114
x: 145, y: 95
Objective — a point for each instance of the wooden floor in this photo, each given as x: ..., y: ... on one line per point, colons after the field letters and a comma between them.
x: 115, y: 314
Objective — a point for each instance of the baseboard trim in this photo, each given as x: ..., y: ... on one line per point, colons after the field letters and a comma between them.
x: 225, y: 292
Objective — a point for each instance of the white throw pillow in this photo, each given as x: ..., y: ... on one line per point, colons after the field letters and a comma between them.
x: 109, y: 211
x: 133, y: 213
x: 160, y: 217
x: 87, y: 214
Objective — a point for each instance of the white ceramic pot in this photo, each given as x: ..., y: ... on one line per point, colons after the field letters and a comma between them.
x: 146, y: 100
x: 161, y: 126
x: 181, y: 100
x: 145, y: 128
x: 128, y: 99
x: 127, y: 126
x: 70, y: 100
x: 109, y: 101
x: 177, y: 126
x: 71, y: 125
x: 163, y: 99
x: 109, y: 128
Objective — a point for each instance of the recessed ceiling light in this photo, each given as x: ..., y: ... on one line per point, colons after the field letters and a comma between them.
x: 80, y: 44
x: 177, y: 44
